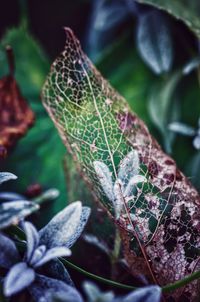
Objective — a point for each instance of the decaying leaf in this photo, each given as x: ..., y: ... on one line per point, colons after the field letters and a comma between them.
x: 159, y: 223
x: 15, y: 115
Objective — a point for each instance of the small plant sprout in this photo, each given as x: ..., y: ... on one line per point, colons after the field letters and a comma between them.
x: 186, y: 130
x: 122, y: 190
x: 47, y: 245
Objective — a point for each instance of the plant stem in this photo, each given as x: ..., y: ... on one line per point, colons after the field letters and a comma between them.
x: 181, y: 283
x: 98, y: 278
x: 166, y: 289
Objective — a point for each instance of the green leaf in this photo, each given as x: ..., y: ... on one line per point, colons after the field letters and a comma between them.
x: 186, y: 10
x: 31, y: 159
x: 164, y: 108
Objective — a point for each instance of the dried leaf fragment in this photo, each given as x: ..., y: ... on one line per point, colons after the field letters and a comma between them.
x: 15, y: 115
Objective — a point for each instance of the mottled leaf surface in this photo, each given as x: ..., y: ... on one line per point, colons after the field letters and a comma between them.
x: 159, y: 222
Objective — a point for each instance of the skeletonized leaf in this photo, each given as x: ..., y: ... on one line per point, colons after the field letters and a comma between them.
x: 154, y: 41
x: 12, y: 212
x: 5, y: 176
x: 96, y: 124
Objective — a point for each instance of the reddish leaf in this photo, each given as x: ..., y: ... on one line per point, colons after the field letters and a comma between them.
x: 15, y: 115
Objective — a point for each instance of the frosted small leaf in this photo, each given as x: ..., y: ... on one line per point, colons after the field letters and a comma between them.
x: 5, y: 176
x: 62, y: 226
x: 131, y: 184
x: 105, y: 178
x: 196, y: 142
x: 44, y: 289
x: 38, y: 255
x: 32, y: 239
x: 129, y: 166
x: 193, y: 64
x: 119, y: 199
x: 83, y: 220
x: 182, y: 129
x: 8, y: 253
x: 13, y: 211
x: 53, y: 253
x: 19, y: 277
x: 145, y: 294
x: 94, y: 294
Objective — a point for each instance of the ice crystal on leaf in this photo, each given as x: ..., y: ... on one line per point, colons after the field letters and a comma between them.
x: 65, y: 228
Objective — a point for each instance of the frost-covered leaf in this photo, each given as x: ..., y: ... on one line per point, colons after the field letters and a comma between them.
x: 129, y: 166
x: 154, y: 41
x: 186, y: 10
x: 182, y: 128
x: 38, y: 254
x: 128, y: 191
x: 145, y: 294
x: 18, y: 278
x: 85, y: 213
x: 118, y: 202
x: 96, y: 124
x: 12, y: 212
x: 8, y: 252
x: 196, y: 142
x: 56, y: 270
x: 193, y: 64
x: 62, y: 227
x: 44, y: 288
x: 5, y: 176
x: 95, y: 295
x: 53, y: 253
x: 10, y: 196
x: 105, y: 178
x: 32, y: 238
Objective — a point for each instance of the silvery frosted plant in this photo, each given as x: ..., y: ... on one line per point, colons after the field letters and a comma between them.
x: 53, y: 241
x: 13, y: 207
x: 186, y: 130
x: 145, y: 294
x: 122, y: 190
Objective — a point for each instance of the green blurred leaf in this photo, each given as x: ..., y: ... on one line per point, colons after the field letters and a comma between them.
x: 154, y: 41
x: 186, y: 10
x: 38, y: 157
x: 164, y: 108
